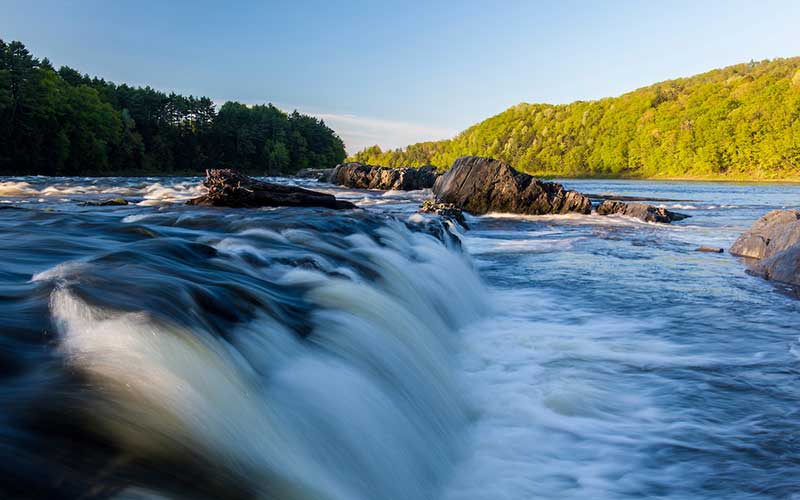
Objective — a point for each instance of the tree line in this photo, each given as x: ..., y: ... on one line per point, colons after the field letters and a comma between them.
x: 60, y: 122
x: 739, y: 122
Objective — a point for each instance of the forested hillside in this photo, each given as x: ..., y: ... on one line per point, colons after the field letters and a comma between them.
x: 740, y: 122
x: 59, y: 122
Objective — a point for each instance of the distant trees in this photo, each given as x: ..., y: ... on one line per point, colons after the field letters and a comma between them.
x: 64, y: 123
x: 738, y: 122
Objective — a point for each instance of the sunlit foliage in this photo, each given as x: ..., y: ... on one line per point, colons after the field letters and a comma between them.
x: 738, y: 122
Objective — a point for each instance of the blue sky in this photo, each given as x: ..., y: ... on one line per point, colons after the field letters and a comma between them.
x: 392, y: 73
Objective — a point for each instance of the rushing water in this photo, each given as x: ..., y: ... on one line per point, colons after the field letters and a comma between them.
x: 159, y: 350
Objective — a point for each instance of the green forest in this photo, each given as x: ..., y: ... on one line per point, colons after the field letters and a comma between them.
x: 740, y: 122
x: 59, y: 122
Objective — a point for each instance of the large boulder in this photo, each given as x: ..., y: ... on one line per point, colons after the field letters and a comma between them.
x: 771, y: 234
x: 783, y: 266
x: 643, y: 211
x: 362, y: 176
x: 228, y: 188
x: 482, y: 185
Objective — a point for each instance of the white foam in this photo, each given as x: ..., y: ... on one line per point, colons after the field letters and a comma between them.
x: 11, y: 188
x: 369, y: 406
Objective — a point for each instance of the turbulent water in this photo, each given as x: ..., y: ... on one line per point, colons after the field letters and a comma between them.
x: 157, y: 350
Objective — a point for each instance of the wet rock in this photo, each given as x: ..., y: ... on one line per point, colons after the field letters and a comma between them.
x: 320, y: 174
x: 362, y: 176
x: 446, y: 211
x: 106, y: 203
x: 615, y: 197
x: 709, y: 249
x: 482, y: 185
x: 783, y: 266
x: 643, y: 211
x: 771, y: 234
x: 773, y: 246
x: 228, y: 188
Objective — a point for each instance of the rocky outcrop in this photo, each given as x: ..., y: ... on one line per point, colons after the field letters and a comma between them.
x: 320, y: 174
x: 482, y: 185
x: 771, y: 234
x: 228, y: 188
x: 447, y: 211
x: 362, y: 176
x: 643, y: 211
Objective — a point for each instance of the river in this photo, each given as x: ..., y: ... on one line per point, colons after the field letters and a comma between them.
x: 157, y: 350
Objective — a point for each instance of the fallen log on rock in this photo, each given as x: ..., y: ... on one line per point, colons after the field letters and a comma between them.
x: 228, y: 188
x: 482, y: 185
x: 647, y: 213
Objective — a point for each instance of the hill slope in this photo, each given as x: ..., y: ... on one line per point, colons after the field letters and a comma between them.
x: 739, y: 122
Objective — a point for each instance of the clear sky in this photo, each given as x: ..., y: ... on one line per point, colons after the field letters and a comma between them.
x: 392, y: 73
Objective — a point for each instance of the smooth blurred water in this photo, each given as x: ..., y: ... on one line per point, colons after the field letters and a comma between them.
x: 304, y: 353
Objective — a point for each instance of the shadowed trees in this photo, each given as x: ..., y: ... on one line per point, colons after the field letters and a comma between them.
x: 65, y: 123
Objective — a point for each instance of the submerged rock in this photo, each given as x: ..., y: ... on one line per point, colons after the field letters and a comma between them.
x: 228, y: 188
x: 106, y: 203
x: 482, y: 185
x: 446, y: 211
x: 643, y: 211
x: 771, y: 234
x: 362, y: 176
x: 773, y: 244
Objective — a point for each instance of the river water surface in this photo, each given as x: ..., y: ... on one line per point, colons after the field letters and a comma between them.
x: 157, y: 350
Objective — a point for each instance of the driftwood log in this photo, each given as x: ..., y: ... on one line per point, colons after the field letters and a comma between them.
x: 229, y: 188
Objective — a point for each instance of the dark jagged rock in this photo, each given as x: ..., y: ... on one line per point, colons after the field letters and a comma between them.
x: 320, y: 174
x: 482, y: 185
x: 771, y: 234
x: 106, y: 203
x: 647, y: 213
x: 228, y: 188
x: 446, y: 211
x: 361, y: 176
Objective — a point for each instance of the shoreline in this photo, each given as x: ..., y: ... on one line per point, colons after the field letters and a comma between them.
x: 546, y: 177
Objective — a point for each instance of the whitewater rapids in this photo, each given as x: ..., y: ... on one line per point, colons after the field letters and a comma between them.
x: 156, y: 350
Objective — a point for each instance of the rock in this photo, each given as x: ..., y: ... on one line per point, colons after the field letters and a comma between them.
x: 709, y: 249
x: 647, y: 213
x: 228, y: 188
x: 320, y: 174
x: 361, y: 176
x: 771, y: 234
x: 482, y: 185
x: 446, y: 211
x: 105, y: 203
x: 783, y: 266
x: 615, y: 197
